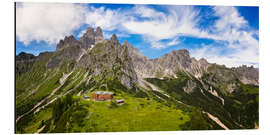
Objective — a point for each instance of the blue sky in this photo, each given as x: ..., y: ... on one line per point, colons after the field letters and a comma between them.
x: 223, y: 35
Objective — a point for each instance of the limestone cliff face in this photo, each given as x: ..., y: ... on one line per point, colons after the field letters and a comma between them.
x: 248, y: 75
x: 129, y: 66
x: 67, y: 42
x: 111, y: 59
x: 91, y: 37
x: 166, y: 65
x: 99, y: 35
x: 88, y: 38
x: 180, y: 60
x: 101, y: 57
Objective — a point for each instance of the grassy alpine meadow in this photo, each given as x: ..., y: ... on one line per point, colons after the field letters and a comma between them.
x: 137, y: 114
x: 76, y: 114
x: 147, y: 68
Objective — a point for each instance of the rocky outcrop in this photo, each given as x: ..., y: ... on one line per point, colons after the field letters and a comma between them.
x: 99, y: 35
x: 248, y: 75
x: 67, y: 42
x: 88, y: 38
x: 109, y: 58
x: 23, y: 56
x: 24, y: 62
x: 71, y: 49
x: 91, y: 37
x: 166, y: 65
x: 189, y: 86
x: 99, y: 55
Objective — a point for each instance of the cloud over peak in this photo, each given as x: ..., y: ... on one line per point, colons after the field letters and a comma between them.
x: 160, y: 27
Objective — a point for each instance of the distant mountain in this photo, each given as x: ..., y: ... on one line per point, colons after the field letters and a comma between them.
x: 50, y: 89
x: 24, y: 62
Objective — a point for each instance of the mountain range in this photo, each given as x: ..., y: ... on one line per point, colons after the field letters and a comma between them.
x: 50, y: 89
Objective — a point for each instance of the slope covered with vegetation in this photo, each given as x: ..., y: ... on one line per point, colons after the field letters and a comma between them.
x: 188, y: 95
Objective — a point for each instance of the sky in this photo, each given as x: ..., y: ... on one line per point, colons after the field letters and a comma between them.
x: 224, y: 35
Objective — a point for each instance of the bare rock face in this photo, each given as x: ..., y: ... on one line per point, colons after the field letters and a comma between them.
x: 67, y: 42
x: 248, y: 75
x: 99, y: 35
x: 66, y: 54
x: 102, y: 57
x: 114, y: 40
x: 189, y: 86
x: 129, y: 66
x: 166, y: 65
x: 91, y: 37
x: 88, y: 38
x: 144, y: 67
x: 109, y: 58
x: 176, y: 60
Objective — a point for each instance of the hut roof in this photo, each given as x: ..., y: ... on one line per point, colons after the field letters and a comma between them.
x: 103, y: 92
x: 120, y: 100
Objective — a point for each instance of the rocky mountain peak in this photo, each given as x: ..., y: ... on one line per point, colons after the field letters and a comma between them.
x: 88, y: 38
x: 114, y: 39
x: 182, y: 52
x: 91, y: 37
x: 177, y: 59
x: 89, y: 32
x: 131, y: 49
x: 23, y: 56
x: 99, y: 35
x: 203, y: 62
x: 67, y: 42
x: 126, y: 43
x: 24, y: 62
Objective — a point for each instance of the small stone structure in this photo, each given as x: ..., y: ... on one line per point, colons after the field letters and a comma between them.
x: 120, y: 102
x: 86, y: 97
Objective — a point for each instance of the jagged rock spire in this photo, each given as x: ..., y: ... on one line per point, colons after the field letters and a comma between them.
x: 114, y: 39
x: 68, y: 41
x: 99, y: 35
x: 91, y: 37
x: 88, y: 38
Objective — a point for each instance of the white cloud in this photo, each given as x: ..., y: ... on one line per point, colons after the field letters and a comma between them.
x: 47, y: 22
x: 51, y: 22
x: 229, y: 18
x: 156, y: 26
x: 233, y: 28
x: 107, y: 19
x: 161, y: 45
x: 174, y: 42
x: 160, y: 26
x: 146, y: 12
x: 236, y: 58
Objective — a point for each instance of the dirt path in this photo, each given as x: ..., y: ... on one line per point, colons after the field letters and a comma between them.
x: 54, y: 99
x: 154, y: 88
x: 215, y: 119
x: 63, y: 79
x: 79, y: 58
x: 39, y: 130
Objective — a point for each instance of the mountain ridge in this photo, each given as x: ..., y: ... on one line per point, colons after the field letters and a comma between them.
x: 211, y: 95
